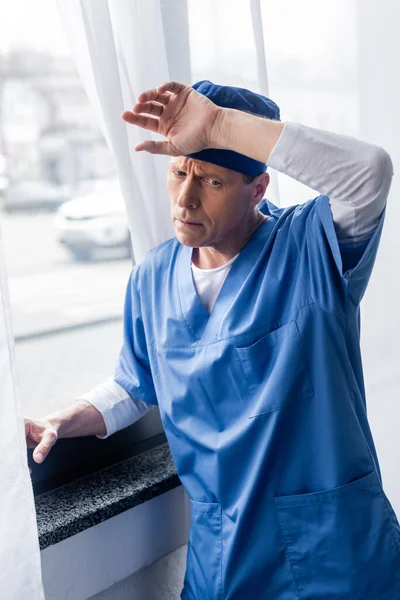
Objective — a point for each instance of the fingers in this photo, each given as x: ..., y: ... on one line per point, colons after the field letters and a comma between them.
x: 155, y: 147
x: 141, y: 121
x: 162, y: 94
x: 151, y: 108
x: 154, y: 96
x: 43, y: 448
x: 31, y: 434
x: 171, y: 86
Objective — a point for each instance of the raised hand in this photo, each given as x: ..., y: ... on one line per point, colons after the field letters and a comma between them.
x: 186, y: 118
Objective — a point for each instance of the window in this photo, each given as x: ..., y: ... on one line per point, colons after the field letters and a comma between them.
x: 64, y: 227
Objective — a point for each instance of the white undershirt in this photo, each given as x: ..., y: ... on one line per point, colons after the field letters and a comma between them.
x: 208, y: 282
x: 354, y: 174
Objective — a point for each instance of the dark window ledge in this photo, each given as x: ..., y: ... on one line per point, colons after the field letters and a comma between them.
x: 87, y: 501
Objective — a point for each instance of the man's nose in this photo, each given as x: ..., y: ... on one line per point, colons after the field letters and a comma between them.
x: 188, y: 196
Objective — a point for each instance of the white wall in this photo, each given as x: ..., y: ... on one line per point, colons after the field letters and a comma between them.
x: 163, y: 580
x: 92, y: 561
x: 379, y: 45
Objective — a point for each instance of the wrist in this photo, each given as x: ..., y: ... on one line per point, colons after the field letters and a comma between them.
x: 57, y: 422
x: 245, y: 133
x: 230, y: 128
x: 70, y: 420
x: 221, y: 130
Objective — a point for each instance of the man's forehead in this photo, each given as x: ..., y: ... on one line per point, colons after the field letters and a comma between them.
x: 202, y: 166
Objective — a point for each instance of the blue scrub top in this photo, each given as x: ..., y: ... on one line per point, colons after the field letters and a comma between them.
x: 263, y: 405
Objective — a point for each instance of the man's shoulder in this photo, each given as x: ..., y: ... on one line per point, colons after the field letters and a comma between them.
x: 159, y: 259
x: 162, y: 253
x: 282, y: 212
x: 294, y: 219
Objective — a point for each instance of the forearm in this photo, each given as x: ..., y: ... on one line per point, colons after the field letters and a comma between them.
x: 245, y: 133
x: 101, y: 412
x: 356, y: 175
x: 352, y: 172
x: 78, y: 419
x: 321, y: 159
x: 117, y: 407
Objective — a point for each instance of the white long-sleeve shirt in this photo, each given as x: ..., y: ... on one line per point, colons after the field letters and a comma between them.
x: 355, y: 175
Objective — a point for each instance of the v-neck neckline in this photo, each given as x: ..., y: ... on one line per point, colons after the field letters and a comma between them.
x: 205, y: 326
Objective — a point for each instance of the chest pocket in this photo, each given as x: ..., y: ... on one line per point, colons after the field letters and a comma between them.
x: 275, y: 369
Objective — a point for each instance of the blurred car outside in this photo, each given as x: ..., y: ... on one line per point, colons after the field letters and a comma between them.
x: 34, y: 195
x: 95, y: 220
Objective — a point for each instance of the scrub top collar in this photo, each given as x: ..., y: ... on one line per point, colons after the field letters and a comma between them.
x: 207, y: 328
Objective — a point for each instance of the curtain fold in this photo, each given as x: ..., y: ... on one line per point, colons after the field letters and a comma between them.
x: 122, y: 47
x: 20, y: 573
x: 120, y: 50
x: 262, y: 75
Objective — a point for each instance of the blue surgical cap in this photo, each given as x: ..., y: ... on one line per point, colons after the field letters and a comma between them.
x: 240, y: 99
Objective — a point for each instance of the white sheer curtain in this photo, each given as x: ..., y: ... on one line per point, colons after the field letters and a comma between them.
x: 20, y: 575
x: 121, y: 50
x: 122, y: 47
x: 378, y: 46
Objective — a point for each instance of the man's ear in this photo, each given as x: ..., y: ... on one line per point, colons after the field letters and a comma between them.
x: 259, y: 185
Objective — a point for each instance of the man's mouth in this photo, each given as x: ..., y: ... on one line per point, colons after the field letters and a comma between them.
x: 188, y: 223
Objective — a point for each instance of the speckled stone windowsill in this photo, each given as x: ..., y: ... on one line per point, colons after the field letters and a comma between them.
x: 91, y: 500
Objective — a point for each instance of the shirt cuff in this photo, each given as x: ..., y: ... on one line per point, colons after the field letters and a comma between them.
x: 117, y: 407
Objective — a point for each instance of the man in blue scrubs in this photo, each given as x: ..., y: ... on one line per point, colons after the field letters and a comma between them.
x: 259, y: 383
x: 245, y: 331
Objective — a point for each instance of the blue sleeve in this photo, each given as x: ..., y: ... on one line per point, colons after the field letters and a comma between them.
x: 132, y: 371
x: 333, y: 269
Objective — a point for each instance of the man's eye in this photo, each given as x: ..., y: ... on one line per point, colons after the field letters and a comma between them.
x: 214, y: 182
x: 180, y: 173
